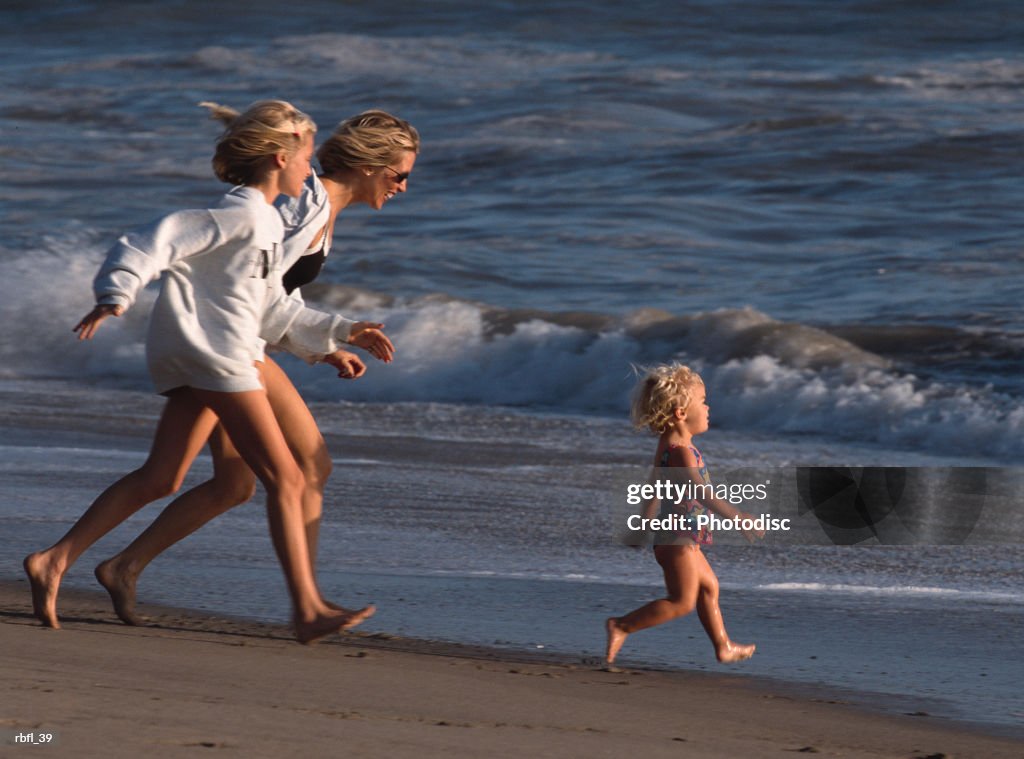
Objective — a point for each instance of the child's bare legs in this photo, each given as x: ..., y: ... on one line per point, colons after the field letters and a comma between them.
x: 184, y: 426
x: 249, y: 421
x: 711, y: 618
x: 232, y: 483
x: 682, y: 581
x: 690, y: 583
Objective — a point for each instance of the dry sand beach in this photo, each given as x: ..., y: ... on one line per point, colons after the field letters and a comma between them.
x: 190, y: 682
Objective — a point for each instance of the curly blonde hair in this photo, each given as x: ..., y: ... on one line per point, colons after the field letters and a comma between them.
x: 662, y: 390
x: 265, y: 128
x: 373, y: 139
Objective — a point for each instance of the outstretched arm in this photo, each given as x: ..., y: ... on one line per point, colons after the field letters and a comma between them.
x: 139, y: 257
x: 306, y: 332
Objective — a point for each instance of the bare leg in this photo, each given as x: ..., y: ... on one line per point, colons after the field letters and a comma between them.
x: 690, y: 583
x: 616, y: 637
x: 183, y: 428
x: 232, y: 483
x: 678, y: 564
x: 306, y: 444
x: 711, y: 618
x: 249, y: 421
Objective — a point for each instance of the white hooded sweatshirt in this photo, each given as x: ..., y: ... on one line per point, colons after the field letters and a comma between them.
x: 221, y: 296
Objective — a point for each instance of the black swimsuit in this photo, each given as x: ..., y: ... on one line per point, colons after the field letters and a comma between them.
x: 305, y: 270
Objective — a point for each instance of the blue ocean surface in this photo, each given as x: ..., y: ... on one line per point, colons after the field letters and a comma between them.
x: 816, y: 205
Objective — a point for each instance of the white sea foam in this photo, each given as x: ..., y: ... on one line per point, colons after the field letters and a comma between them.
x: 762, y: 374
x: 894, y: 590
x: 785, y: 377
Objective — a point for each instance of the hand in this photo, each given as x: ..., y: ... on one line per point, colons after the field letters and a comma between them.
x: 91, y: 321
x: 349, y: 365
x: 368, y: 336
x: 751, y: 535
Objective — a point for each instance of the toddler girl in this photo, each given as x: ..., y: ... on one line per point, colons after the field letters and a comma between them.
x: 671, y: 401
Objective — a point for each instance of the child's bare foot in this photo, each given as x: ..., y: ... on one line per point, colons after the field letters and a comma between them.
x: 121, y: 587
x: 616, y: 637
x: 44, y: 578
x: 325, y: 624
x: 731, y: 652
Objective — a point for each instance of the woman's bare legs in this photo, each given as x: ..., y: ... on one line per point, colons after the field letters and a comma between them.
x: 249, y: 420
x: 690, y: 583
x: 306, y: 444
x: 232, y: 483
x: 183, y: 429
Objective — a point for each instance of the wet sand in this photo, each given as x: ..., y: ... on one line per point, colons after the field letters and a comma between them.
x: 189, y: 681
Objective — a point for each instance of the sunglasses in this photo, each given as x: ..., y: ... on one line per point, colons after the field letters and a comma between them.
x: 399, y: 176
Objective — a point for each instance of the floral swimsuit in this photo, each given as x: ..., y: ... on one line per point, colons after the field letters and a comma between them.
x: 688, y: 508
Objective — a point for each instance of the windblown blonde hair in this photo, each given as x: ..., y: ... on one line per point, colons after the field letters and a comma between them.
x: 371, y: 139
x: 265, y: 128
x: 662, y: 390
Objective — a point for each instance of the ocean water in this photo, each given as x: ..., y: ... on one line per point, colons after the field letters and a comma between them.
x: 817, y: 205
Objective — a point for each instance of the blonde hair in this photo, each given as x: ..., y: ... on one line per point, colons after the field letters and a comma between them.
x: 662, y: 390
x: 265, y: 128
x: 373, y: 138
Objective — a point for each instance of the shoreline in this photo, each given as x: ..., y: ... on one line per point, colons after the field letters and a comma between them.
x: 194, y: 679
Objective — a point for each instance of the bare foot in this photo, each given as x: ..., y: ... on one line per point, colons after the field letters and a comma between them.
x: 616, y: 637
x: 325, y: 624
x: 358, y: 616
x: 45, y: 581
x: 731, y: 652
x: 121, y: 587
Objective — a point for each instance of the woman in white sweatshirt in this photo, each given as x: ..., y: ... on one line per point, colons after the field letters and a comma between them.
x: 367, y: 159
x: 221, y: 297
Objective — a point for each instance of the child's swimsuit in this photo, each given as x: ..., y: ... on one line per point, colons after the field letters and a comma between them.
x: 690, y: 509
